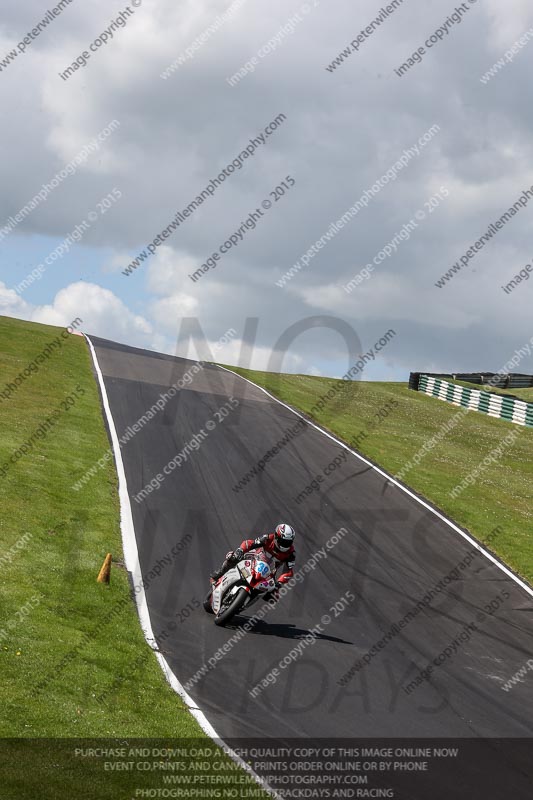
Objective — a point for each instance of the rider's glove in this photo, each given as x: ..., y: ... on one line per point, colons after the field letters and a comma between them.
x: 237, y: 555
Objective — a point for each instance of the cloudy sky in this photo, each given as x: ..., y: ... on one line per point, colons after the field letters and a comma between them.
x: 343, y: 129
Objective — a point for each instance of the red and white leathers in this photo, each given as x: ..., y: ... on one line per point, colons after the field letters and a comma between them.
x: 286, y: 558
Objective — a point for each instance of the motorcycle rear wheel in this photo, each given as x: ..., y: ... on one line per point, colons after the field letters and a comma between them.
x: 234, y: 607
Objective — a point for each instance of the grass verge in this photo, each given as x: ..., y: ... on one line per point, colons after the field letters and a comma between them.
x: 523, y: 394
x: 390, y: 424
x: 65, y: 639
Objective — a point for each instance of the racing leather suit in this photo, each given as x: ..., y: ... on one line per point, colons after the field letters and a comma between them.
x: 286, y: 559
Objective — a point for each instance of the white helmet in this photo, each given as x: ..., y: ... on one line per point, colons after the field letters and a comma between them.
x: 284, y: 537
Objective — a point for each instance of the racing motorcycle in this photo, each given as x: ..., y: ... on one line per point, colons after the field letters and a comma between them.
x: 240, y: 586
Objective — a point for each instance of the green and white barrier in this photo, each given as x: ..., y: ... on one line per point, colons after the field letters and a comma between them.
x: 495, y: 405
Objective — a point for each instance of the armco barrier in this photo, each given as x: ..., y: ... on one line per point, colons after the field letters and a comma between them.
x: 511, y: 380
x: 495, y: 405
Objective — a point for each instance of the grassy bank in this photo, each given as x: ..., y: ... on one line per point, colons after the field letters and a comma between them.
x: 65, y: 639
x: 524, y: 394
x: 501, y: 494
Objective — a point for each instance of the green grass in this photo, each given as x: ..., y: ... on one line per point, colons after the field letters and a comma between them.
x: 523, y: 394
x: 500, y: 496
x: 69, y: 534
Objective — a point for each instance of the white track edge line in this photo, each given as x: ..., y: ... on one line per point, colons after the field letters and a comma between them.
x: 407, y: 491
x: 131, y: 558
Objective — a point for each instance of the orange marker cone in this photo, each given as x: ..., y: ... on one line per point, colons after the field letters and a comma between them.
x: 105, y: 573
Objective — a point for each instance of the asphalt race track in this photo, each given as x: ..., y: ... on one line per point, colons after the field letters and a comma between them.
x: 395, y: 550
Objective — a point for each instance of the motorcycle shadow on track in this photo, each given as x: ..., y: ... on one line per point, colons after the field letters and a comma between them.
x: 285, y: 631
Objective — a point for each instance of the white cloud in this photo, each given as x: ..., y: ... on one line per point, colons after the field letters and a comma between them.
x: 169, y: 311
x: 260, y: 358
x: 116, y: 263
x: 508, y: 21
x: 103, y: 314
x: 167, y: 274
x: 169, y: 270
x: 374, y: 299
x: 339, y: 136
x: 11, y: 305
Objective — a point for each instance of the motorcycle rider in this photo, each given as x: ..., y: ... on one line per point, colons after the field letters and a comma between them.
x: 279, y: 544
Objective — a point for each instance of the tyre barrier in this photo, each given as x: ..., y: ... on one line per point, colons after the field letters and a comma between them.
x: 500, y: 406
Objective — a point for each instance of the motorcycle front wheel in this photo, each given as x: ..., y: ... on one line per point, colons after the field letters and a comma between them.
x: 233, y: 608
x: 207, y: 603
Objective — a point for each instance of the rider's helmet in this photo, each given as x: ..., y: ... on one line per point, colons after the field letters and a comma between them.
x: 284, y: 537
